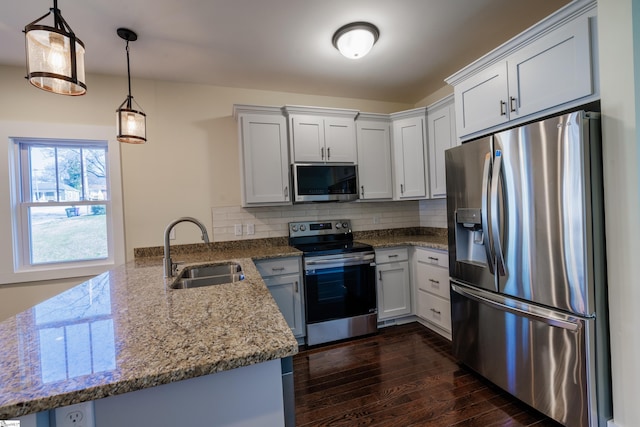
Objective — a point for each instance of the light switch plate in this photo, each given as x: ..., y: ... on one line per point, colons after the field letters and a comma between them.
x: 251, y: 229
x: 238, y: 229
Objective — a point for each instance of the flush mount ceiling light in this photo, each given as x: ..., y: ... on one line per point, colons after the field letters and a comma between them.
x: 131, y: 122
x: 356, y: 39
x: 55, y: 56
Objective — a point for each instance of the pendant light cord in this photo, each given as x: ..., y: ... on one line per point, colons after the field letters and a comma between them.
x: 128, y: 78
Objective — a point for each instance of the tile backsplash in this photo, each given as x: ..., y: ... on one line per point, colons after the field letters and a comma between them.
x: 272, y: 221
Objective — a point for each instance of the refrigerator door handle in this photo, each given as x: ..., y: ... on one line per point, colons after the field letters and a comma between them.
x: 524, y: 309
x: 495, y: 214
x: 485, y: 213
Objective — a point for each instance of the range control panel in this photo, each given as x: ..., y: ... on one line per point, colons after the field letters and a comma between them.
x: 318, y: 228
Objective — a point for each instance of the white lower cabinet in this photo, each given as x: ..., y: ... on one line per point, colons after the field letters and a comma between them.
x: 284, y: 280
x: 431, y: 282
x: 394, y: 284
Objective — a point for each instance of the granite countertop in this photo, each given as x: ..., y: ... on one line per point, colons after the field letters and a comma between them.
x: 124, y: 330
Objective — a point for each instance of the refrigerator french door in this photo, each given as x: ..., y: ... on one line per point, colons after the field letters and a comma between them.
x: 526, y: 259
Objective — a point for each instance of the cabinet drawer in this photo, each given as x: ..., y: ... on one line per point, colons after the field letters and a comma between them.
x: 434, y: 309
x: 430, y: 256
x: 433, y: 279
x: 391, y: 255
x: 278, y: 266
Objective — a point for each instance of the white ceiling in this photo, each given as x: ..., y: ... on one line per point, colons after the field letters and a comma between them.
x: 283, y: 45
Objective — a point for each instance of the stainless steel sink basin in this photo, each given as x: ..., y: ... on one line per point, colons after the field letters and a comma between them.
x: 207, y: 275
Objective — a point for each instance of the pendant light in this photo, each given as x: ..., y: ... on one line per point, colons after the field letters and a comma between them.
x: 131, y: 122
x: 55, y: 56
x: 356, y: 39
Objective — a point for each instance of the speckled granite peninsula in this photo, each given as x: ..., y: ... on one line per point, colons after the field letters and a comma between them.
x: 125, y: 330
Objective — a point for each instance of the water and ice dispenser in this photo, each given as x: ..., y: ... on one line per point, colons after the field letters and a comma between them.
x: 470, y: 236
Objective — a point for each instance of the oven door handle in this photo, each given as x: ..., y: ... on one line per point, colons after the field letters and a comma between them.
x: 342, y: 261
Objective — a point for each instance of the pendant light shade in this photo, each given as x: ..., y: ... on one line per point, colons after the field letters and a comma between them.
x: 131, y: 121
x: 55, y: 56
x: 356, y: 39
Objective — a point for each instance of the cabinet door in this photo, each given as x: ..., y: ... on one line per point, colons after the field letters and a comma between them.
x: 442, y: 136
x: 265, y: 169
x: 552, y: 70
x: 287, y: 292
x: 481, y: 100
x: 394, y: 290
x: 409, y: 159
x: 374, y: 160
x: 340, y: 140
x: 307, y: 133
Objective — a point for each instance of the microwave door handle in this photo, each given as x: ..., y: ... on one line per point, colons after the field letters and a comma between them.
x: 495, y: 213
x: 486, y: 241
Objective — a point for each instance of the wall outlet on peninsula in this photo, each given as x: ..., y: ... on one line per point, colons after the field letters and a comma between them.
x: 78, y: 415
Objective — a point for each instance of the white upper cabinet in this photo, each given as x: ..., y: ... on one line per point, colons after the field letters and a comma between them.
x: 374, y: 156
x: 264, y: 158
x: 409, y: 154
x: 322, y: 134
x: 441, y: 128
x: 546, y: 69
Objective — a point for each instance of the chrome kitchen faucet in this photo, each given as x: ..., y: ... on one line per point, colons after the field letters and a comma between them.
x: 168, y: 266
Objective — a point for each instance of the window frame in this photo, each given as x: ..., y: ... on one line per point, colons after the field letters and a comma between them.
x: 13, y: 268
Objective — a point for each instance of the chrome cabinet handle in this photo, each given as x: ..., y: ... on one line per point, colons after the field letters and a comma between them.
x: 436, y: 311
x: 296, y: 286
x: 322, y: 152
x: 393, y: 256
x: 437, y: 282
x: 277, y: 269
x: 286, y: 192
x: 402, y: 188
x: 503, y: 108
x: 380, y: 275
x: 328, y: 153
x: 512, y: 105
x: 362, y: 190
x: 432, y: 258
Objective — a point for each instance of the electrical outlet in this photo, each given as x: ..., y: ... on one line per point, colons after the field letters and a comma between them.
x: 376, y: 219
x: 238, y: 229
x: 78, y: 415
x: 251, y: 229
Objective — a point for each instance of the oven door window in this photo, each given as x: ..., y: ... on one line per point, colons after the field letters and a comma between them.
x: 339, y: 292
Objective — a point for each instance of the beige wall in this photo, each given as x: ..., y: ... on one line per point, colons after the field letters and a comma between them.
x: 622, y: 200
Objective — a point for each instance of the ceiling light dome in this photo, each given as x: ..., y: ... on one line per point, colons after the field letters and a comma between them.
x: 356, y: 39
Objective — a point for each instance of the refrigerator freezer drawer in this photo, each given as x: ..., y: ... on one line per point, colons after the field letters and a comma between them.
x: 543, y: 362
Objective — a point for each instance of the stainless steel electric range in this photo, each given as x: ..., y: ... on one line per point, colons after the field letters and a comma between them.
x: 339, y: 281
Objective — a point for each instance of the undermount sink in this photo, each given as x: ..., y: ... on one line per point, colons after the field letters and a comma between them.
x: 208, y: 274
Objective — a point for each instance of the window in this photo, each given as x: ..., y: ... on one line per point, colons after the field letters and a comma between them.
x: 64, y: 200
x: 64, y: 216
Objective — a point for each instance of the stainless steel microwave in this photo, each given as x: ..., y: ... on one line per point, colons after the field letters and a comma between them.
x: 337, y: 182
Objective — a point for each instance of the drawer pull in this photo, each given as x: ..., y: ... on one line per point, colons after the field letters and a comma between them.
x: 503, y: 108
x: 437, y: 282
x: 296, y: 286
x: 277, y: 269
x: 432, y: 258
x: 393, y: 256
x: 436, y: 311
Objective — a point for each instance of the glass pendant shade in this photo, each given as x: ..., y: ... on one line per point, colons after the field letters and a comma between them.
x: 355, y: 40
x: 55, y: 57
x: 131, y: 123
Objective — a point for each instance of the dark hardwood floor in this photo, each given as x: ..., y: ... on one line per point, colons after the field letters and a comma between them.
x: 403, y: 376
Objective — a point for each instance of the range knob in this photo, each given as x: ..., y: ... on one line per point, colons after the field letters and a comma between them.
x: 303, y: 227
x: 294, y: 228
x: 338, y: 225
x: 345, y: 225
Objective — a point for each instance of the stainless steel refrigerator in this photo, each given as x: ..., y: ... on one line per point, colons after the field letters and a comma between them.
x: 527, y: 265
